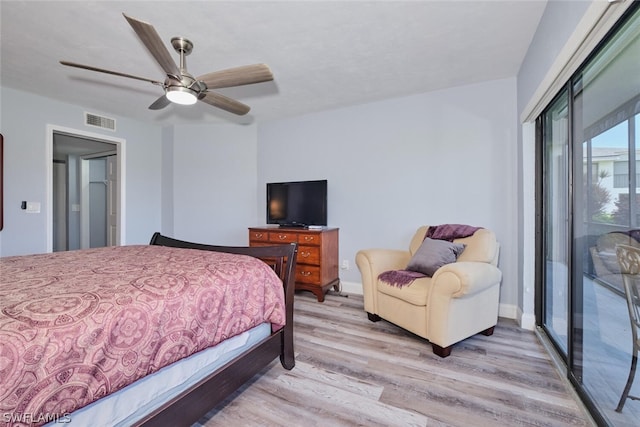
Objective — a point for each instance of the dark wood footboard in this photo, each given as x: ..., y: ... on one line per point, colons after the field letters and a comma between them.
x: 189, y: 406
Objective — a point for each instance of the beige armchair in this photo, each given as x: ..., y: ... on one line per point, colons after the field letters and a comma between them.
x: 458, y: 301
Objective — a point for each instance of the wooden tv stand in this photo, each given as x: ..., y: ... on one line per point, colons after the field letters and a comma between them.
x: 317, y: 263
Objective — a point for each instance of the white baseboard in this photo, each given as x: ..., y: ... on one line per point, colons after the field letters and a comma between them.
x: 527, y: 320
x: 351, y: 287
x: 508, y: 311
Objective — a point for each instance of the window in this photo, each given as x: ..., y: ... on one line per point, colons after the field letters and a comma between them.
x: 621, y: 174
x: 588, y: 176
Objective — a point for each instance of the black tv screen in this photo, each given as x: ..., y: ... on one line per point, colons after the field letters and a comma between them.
x: 297, y: 204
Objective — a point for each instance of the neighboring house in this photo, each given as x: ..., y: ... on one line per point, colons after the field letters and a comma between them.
x: 611, y: 166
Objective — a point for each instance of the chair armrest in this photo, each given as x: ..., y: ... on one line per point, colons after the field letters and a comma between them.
x: 376, y: 261
x: 464, y: 278
x: 464, y: 300
x: 371, y: 263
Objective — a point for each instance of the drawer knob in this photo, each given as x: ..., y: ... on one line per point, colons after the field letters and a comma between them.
x: 282, y: 236
x: 305, y: 254
x: 258, y: 235
x: 306, y: 273
x: 308, y: 238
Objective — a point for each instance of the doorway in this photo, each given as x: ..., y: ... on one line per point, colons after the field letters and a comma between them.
x: 85, y: 194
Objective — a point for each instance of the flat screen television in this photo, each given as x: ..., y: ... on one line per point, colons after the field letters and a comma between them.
x: 297, y: 204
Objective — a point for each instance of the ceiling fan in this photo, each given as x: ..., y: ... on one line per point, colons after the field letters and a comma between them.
x: 179, y: 86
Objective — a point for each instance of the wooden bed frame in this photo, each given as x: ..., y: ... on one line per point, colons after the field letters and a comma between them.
x: 191, y: 405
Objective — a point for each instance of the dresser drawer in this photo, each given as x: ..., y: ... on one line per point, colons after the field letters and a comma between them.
x: 282, y: 237
x: 309, y: 238
x: 258, y: 236
x: 309, y: 255
x: 307, y: 274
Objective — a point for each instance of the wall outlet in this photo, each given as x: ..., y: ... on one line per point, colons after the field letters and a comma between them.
x: 345, y: 264
x: 33, y: 207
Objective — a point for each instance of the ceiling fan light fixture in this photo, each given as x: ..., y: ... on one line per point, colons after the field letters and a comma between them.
x: 181, y: 95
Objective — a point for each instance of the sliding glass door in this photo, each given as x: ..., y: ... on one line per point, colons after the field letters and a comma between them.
x: 589, y: 180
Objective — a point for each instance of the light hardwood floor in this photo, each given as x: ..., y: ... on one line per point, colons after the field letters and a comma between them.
x: 350, y: 371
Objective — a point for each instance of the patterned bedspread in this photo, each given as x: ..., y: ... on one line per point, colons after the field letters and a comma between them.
x: 76, y: 326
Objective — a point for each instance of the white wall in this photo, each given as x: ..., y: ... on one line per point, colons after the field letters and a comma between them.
x: 441, y: 157
x: 24, y: 125
x: 214, y: 183
x: 167, y: 181
x: 558, y: 23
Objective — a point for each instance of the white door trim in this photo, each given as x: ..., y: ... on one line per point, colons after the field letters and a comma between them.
x: 120, y: 149
x: 84, y: 204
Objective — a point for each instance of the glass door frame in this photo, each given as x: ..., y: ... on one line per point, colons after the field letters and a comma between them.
x: 572, y: 357
x: 568, y: 357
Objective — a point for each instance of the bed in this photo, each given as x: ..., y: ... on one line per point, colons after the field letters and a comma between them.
x: 82, y: 330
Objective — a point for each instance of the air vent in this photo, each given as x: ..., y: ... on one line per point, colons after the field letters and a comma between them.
x: 99, y: 121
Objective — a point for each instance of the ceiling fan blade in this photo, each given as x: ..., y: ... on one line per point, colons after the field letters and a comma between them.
x: 238, y: 76
x: 160, y: 103
x: 149, y: 36
x: 225, y: 103
x: 115, y: 73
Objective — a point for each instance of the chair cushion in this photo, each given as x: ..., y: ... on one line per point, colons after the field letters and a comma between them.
x: 433, y: 254
x: 416, y: 293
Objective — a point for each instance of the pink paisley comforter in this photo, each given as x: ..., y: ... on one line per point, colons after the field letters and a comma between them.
x: 77, y: 326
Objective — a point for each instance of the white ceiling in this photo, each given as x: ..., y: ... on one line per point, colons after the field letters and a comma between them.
x: 323, y: 54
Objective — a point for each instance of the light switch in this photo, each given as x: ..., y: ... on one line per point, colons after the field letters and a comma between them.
x: 33, y: 207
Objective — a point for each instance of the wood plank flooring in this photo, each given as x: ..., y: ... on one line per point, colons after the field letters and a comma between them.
x: 350, y: 371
